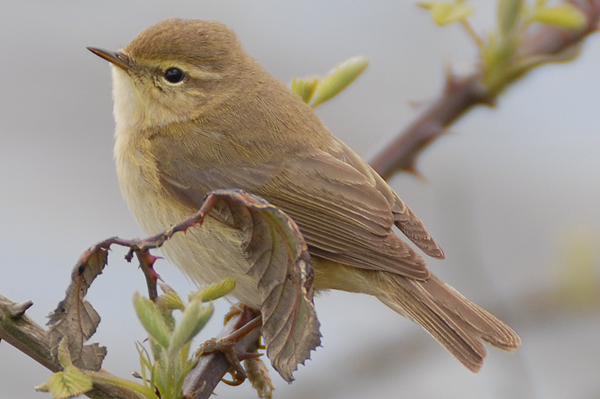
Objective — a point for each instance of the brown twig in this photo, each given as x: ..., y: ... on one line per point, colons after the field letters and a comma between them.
x: 458, y: 96
x: 141, y: 248
x: 461, y: 94
x: 25, y: 335
x: 211, y: 367
x: 30, y: 338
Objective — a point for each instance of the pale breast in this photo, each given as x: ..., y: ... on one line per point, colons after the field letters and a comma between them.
x: 208, y: 253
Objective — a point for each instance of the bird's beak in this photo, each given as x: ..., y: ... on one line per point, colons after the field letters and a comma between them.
x: 114, y: 57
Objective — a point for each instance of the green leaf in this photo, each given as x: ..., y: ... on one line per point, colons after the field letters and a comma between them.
x: 145, y: 365
x: 67, y: 384
x: 195, y: 316
x: 64, y: 357
x: 338, y: 79
x: 305, y: 87
x: 509, y: 13
x: 444, y: 13
x: 105, y: 378
x: 565, y: 15
x: 215, y: 291
x: 170, y: 300
x: 152, y: 320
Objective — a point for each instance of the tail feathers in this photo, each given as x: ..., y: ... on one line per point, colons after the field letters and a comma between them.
x: 456, y: 323
x: 490, y: 329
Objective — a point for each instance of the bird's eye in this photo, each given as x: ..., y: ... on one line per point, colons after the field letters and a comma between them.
x: 174, y: 75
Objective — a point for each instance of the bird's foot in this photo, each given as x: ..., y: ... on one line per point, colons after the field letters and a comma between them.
x: 228, y: 345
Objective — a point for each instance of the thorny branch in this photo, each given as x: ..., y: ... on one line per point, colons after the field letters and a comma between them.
x: 33, y: 340
x: 30, y: 338
x: 463, y: 93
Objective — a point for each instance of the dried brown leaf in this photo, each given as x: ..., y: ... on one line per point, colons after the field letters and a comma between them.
x: 280, y: 261
x: 75, y: 320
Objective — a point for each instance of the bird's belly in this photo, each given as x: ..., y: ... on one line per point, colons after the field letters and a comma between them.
x: 212, y: 252
x: 207, y: 253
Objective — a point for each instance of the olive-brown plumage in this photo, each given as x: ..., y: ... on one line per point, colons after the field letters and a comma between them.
x: 228, y: 123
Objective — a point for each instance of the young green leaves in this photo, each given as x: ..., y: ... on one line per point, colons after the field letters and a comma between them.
x: 315, y: 91
x: 165, y: 370
x: 502, y: 60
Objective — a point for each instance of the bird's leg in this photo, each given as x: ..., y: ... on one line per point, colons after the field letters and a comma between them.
x: 250, y: 321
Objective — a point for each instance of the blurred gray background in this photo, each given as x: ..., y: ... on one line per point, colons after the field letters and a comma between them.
x: 512, y: 193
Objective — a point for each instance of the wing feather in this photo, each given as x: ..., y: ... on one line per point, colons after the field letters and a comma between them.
x: 343, y: 208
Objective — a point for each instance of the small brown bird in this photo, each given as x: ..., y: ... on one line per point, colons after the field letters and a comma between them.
x: 194, y: 113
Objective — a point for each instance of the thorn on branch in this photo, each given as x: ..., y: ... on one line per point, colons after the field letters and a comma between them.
x: 147, y: 260
x: 17, y: 310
